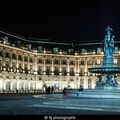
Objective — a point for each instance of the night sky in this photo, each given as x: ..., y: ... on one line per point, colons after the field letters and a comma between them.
x: 84, y: 21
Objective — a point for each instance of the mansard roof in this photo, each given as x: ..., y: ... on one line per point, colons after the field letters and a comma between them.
x: 50, y: 44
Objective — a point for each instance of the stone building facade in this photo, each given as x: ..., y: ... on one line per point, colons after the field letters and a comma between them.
x: 24, y: 70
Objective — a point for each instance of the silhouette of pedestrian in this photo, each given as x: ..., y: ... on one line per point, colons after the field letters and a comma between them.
x: 46, y: 89
x: 52, y: 89
x: 49, y: 90
x: 64, y: 91
x: 81, y: 88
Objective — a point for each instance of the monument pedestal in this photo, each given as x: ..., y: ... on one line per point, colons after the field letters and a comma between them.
x: 107, y: 87
x: 106, y: 92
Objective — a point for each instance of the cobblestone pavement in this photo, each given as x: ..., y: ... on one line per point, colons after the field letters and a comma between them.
x: 56, y: 104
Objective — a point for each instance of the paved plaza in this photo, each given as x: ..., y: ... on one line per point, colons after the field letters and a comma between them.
x: 56, y: 104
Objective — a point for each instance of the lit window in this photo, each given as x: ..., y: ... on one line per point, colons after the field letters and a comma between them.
x: 98, y: 62
x: 90, y: 62
x: 99, y: 50
x: 89, y: 83
x: 115, y: 61
x: 82, y: 82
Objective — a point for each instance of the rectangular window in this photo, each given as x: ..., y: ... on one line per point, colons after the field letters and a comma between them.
x: 40, y: 70
x: 39, y: 60
x: 99, y: 50
x: 81, y: 71
x: 48, y: 61
x: 82, y: 62
x: 48, y: 71
x: 25, y: 58
x: 56, y: 62
x: 31, y: 69
x: 89, y: 83
x: 56, y: 71
x: 72, y: 72
x: 14, y: 66
x: 98, y: 62
x: 115, y: 61
x: 71, y: 63
x: 31, y: 60
x: 20, y: 68
x: 82, y: 82
x: 64, y: 62
x: 64, y: 72
x: 90, y: 62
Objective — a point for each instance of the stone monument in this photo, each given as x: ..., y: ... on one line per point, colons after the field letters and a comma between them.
x: 108, y: 70
x: 106, y: 85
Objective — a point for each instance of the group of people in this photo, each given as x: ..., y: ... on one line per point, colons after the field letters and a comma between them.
x: 80, y: 88
x: 49, y: 89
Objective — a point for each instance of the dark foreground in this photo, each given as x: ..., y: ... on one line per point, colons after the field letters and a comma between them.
x: 28, y: 105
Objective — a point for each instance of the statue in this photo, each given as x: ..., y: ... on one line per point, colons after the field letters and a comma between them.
x: 109, y: 43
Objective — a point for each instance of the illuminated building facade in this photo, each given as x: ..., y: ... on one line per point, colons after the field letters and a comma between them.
x: 28, y: 65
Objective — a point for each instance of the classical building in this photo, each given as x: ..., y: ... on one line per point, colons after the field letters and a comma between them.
x: 30, y: 64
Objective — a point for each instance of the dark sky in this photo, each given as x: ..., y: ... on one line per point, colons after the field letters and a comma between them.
x: 61, y: 21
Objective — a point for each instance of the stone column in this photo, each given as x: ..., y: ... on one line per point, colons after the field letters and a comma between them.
x: 86, y: 68
x: 17, y: 85
x: 68, y: 71
x: 94, y: 61
x: 17, y: 61
x: 23, y: 64
x: 76, y: 73
x: 52, y: 65
x: 29, y: 85
x: 10, y: 61
x: 28, y: 63
x: 3, y: 60
x: 78, y: 66
x: 44, y: 64
x: 4, y: 84
x: 60, y: 66
x: 24, y: 86
x: 68, y: 66
x: 11, y: 85
x: 35, y: 65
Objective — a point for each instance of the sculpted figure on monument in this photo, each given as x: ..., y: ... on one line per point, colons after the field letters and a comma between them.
x: 109, y: 43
